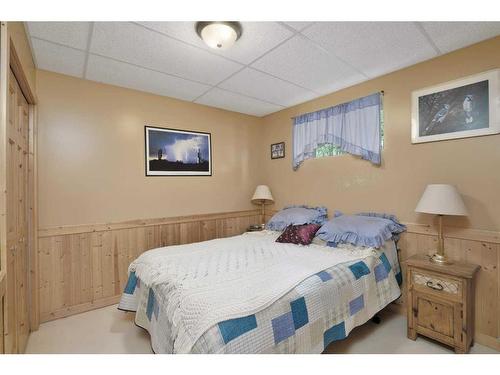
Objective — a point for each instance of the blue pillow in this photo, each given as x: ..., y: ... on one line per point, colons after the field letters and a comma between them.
x: 297, y: 215
x: 396, y: 226
x: 359, y: 230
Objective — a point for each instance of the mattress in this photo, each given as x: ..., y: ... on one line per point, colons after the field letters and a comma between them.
x: 305, y: 318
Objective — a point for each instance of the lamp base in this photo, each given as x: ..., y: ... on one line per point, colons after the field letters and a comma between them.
x: 440, y: 259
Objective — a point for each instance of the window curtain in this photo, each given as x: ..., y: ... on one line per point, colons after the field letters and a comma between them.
x: 354, y: 127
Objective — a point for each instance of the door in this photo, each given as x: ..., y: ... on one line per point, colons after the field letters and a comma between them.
x: 17, y: 317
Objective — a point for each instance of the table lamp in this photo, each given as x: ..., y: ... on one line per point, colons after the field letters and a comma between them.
x: 262, y: 196
x: 441, y: 199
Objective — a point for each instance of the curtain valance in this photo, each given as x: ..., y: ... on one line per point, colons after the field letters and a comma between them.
x: 354, y: 127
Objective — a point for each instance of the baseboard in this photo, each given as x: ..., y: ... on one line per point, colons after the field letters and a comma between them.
x: 78, y: 309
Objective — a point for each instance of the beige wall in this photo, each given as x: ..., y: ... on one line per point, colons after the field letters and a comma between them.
x: 91, y: 155
x: 350, y: 184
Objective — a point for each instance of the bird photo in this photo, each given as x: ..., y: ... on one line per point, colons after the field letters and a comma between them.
x: 457, y: 109
x: 468, y: 105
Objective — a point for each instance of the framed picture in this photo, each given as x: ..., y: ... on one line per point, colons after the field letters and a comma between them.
x: 278, y: 150
x: 173, y: 152
x: 466, y: 107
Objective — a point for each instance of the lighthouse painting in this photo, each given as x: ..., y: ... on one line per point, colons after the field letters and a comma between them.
x: 172, y: 152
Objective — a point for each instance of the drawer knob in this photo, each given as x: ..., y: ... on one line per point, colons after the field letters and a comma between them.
x: 431, y: 285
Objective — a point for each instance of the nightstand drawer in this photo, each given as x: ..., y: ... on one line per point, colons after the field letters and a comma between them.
x: 426, y: 281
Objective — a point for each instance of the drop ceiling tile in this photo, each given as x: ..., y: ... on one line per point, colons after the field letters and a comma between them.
x: 59, y: 59
x: 263, y: 86
x: 303, y: 63
x: 375, y: 48
x: 104, y: 70
x: 298, y: 25
x: 134, y: 44
x: 257, y: 38
x: 449, y: 36
x: 237, y: 103
x: 72, y: 34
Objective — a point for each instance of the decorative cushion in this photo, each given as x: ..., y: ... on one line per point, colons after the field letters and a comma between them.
x: 370, y: 231
x: 299, y: 234
x: 297, y: 215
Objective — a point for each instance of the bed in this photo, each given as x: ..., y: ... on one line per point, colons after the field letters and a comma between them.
x: 249, y: 294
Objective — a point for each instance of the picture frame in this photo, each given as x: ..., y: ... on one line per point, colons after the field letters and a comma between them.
x: 466, y: 107
x: 278, y: 150
x: 175, y: 152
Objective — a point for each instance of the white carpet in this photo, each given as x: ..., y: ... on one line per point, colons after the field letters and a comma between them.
x: 109, y: 330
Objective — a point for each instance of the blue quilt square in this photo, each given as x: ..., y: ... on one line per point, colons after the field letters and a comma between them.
x: 356, y: 304
x: 156, y: 310
x: 337, y: 332
x: 399, y: 278
x: 386, y: 262
x: 299, y: 312
x: 283, y: 327
x: 359, y: 269
x: 324, y: 276
x: 380, y: 272
x: 233, y: 328
x: 131, y: 283
x: 150, y: 304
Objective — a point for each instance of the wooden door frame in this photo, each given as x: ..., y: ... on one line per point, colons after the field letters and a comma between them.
x: 10, y: 60
x: 4, y: 64
x: 17, y: 69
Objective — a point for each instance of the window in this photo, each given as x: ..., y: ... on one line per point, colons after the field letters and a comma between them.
x: 329, y: 149
x: 353, y: 127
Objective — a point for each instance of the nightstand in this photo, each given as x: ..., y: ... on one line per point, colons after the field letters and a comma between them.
x: 440, y: 301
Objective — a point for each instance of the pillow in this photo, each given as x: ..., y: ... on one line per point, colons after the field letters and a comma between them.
x: 299, y: 234
x: 297, y: 215
x: 396, y: 227
x: 359, y: 230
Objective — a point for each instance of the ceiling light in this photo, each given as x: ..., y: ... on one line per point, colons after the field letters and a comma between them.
x: 219, y: 34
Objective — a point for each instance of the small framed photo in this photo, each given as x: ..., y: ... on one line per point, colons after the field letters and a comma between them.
x: 174, y: 152
x: 466, y: 107
x: 278, y: 150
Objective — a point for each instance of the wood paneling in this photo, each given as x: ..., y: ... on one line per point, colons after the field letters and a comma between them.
x: 17, y: 299
x: 2, y: 305
x: 85, y: 267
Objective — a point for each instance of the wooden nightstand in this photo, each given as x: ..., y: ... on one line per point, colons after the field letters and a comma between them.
x: 440, y: 301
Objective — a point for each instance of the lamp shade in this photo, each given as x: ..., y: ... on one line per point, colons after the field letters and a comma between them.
x: 441, y: 199
x: 262, y: 195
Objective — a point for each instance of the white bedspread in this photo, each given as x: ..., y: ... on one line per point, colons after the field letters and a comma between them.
x: 205, y: 283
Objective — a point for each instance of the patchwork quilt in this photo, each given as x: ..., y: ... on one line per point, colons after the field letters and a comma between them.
x: 320, y: 309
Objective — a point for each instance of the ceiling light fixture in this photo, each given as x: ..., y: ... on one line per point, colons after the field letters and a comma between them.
x: 219, y: 34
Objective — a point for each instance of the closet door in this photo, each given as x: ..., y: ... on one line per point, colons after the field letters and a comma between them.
x: 17, y: 327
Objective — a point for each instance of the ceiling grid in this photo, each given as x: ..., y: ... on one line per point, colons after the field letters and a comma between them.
x: 274, y: 65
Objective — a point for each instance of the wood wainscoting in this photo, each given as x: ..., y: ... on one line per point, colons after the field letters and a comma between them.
x: 469, y: 245
x: 85, y: 267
